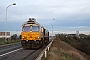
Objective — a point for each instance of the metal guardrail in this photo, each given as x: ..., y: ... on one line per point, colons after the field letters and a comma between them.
x: 44, y: 51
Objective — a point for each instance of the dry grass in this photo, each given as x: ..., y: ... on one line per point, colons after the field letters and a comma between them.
x: 62, y: 51
x: 59, y: 54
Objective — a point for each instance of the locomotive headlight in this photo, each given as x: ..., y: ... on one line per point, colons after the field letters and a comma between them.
x: 38, y: 37
x: 23, y: 37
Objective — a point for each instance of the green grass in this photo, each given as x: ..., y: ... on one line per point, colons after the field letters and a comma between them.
x: 2, y: 41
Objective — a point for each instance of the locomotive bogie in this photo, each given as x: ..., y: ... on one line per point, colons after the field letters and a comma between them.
x: 31, y: 44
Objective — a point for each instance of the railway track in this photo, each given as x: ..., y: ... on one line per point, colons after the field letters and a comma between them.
x: 27, y: 54
x: 15, y: 52
x: 6, y: 48
x: 22, y: 55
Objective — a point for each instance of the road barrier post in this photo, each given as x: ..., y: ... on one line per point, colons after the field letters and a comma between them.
x: 45, y: 53
x: 48, y: 48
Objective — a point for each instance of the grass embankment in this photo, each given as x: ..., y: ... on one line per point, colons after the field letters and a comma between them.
x: 62, y: 51
x: 2, y: 42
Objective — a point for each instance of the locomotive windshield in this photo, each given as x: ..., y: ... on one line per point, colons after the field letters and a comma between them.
x: 26, y: 28
x: 35, y: 28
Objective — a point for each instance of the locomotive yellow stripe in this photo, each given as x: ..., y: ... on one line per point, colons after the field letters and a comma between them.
x: 30, y: 36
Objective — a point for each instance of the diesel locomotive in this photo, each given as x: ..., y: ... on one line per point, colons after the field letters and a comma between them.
x: 33, y: 35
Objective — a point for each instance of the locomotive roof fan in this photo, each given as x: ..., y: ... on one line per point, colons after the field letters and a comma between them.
x: 31, y: 21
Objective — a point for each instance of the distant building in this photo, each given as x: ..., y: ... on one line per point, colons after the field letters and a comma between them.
x: 2, y: 34
x: 77, y: 33
x: 71, y: 34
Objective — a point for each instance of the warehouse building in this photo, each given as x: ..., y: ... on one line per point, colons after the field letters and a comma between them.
x: 2, y: 34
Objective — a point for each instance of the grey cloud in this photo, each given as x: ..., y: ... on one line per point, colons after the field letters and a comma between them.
x: 65, y: 12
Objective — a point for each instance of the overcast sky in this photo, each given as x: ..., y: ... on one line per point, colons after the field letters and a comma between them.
x: 69, y: 15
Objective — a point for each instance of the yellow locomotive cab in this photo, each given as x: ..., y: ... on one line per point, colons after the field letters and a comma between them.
x: 31, y: 36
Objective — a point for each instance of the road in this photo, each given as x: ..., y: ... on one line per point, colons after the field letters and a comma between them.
x: 16, y: 52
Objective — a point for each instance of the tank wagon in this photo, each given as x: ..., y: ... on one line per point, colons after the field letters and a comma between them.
x: 33, y: 35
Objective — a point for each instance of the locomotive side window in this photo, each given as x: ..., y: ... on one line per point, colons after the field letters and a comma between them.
x: 35, y: 28
x: 26, y: 28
